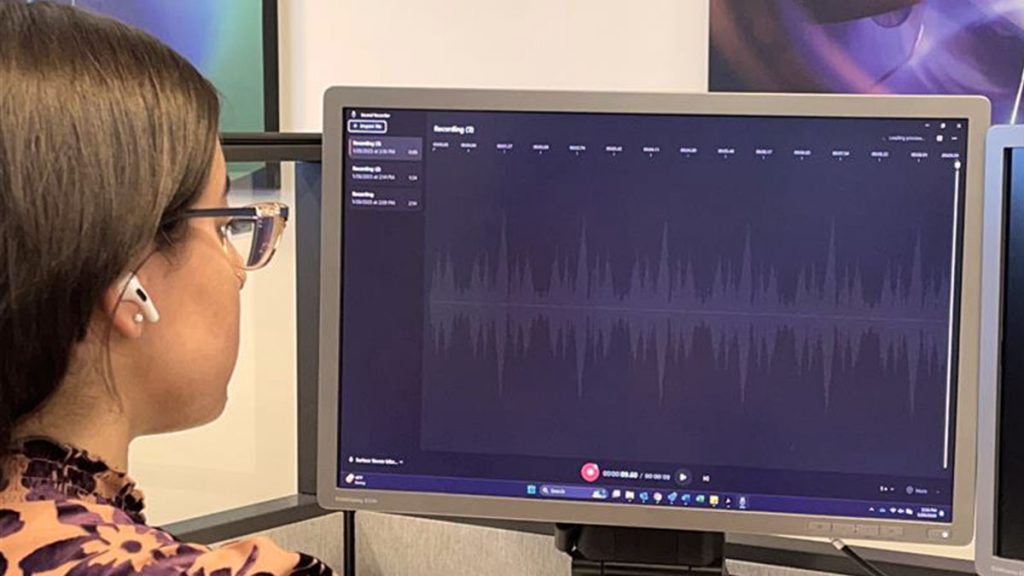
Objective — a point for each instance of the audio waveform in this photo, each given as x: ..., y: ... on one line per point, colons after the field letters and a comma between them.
x: 503, y: 307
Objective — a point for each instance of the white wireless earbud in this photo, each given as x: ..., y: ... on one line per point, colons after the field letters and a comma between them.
x: 132, y: 291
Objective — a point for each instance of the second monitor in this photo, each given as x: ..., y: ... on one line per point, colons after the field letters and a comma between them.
x: 728, y: 313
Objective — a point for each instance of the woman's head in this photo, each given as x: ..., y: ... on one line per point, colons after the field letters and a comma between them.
x: 107, y: 139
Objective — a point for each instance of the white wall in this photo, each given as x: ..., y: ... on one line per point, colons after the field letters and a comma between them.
x: 642, y: 45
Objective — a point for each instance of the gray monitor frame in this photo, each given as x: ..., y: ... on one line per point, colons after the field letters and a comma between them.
x: 1001, y: 139
x: 975, y: 109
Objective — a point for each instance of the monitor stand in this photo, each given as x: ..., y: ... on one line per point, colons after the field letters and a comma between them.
x: 626, y: 551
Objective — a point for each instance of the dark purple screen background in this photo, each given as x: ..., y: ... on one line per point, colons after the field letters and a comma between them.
x: 779, y: 319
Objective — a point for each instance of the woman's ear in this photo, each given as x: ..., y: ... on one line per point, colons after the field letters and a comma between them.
x: 129, y: 306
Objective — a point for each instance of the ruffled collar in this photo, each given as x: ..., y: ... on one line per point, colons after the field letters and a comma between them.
x: 47, y: 470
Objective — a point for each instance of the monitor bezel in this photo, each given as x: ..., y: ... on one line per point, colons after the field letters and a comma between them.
x: 976, y: 110
x: 1001, y: 140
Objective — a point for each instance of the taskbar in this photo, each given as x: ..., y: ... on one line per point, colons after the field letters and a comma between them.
x: 678, y: 498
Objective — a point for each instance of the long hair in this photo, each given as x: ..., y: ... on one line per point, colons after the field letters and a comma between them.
x: 105, y: 134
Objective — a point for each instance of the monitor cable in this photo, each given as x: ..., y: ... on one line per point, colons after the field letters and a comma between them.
x: 868, y: 567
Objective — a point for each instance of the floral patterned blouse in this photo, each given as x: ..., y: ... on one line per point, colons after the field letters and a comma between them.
x: 65, y: 513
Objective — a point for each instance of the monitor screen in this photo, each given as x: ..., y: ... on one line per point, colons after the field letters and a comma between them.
x: 1009, y: 483
x: 742, y: 313
x: 713, y: 312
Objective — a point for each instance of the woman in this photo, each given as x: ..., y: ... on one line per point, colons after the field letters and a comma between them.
x: 120, y: 271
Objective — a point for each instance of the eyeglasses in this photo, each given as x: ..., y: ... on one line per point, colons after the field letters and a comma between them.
x: 251, y: 232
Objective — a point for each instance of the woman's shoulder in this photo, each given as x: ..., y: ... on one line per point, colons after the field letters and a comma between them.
x: 85, y: 538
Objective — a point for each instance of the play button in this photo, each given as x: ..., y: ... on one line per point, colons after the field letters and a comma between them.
x: 683, y: 477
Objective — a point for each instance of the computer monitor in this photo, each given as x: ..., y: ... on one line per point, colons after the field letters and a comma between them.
x: 724, y: 313
x: 1000, y: 539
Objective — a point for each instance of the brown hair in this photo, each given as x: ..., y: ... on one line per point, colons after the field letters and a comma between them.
x: 105, y: 134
